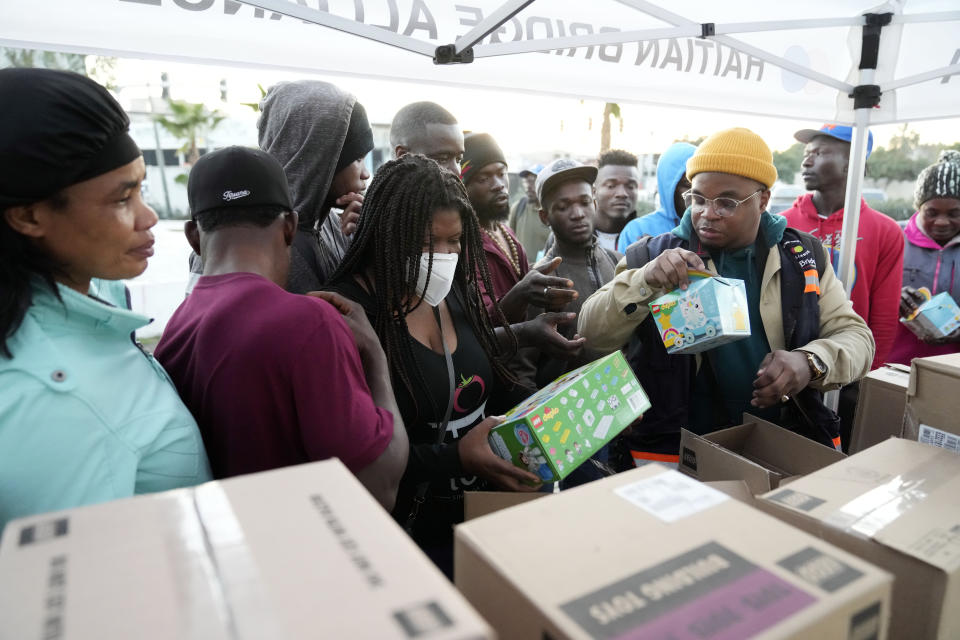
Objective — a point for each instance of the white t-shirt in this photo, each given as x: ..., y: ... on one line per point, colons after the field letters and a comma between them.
x: 607, y: 240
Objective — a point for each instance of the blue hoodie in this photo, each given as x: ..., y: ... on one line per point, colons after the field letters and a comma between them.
x: 670, y: 169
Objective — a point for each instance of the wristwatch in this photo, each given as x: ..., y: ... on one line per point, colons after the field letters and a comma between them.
x: 817, y: 368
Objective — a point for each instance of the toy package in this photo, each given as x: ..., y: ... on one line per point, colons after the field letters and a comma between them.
x: 712, y: 311
x: 558, y: 428
x: 936, y: 318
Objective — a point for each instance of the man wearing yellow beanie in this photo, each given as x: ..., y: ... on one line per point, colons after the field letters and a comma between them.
x: 805, y: 337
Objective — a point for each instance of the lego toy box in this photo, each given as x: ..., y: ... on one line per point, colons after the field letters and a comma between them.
x: 558, y: 428
x: 712, y: 311
x: 936, y: 318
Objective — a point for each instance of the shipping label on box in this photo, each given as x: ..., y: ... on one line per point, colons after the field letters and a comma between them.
x: 936, y: 318
x: 712, y: 311
x: 558, y: 428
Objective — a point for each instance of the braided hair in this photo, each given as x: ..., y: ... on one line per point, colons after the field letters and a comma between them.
x: 396, y: 216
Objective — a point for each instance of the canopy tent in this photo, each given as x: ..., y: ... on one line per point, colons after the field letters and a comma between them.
x: 800, y: 60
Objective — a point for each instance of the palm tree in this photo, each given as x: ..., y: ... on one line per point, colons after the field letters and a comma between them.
x: 609, y: 109
x: 189, y: 121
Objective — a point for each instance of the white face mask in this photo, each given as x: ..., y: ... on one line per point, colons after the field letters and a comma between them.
x: 441, y: 279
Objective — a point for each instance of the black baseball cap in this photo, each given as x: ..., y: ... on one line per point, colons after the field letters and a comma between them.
x: 237, y: 177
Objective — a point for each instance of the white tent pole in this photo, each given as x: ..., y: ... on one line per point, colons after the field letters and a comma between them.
x: 851, y: 201
x: 370, y: 32
x: 933, y: 74
x: 787, y: 25
x: 506, y: 11
x: 941, y: 16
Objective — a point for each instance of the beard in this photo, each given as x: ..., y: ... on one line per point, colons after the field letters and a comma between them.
x: 492, y: 212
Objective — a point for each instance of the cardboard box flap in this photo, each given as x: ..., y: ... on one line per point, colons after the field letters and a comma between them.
x: 946, y: 365
x: 709, y: 461
x: 896, y: 366
x: 736, y: 489
x: 336, y: 539
x: 61, y: 565
x: 774, y: 447
x: 865, y: 495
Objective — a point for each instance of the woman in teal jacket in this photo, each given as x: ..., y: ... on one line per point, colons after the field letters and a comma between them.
x: 85, y: 414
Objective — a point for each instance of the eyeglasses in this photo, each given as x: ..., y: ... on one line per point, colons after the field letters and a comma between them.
x: 722, y: 206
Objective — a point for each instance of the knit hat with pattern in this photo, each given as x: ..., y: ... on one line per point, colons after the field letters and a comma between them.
x: 940, y: 180
x: 737, y: 151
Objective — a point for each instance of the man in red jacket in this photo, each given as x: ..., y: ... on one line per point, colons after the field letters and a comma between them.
x: 878, y: 264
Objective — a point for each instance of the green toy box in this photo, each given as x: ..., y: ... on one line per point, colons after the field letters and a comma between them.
x: 558, y: 428
x: 712, y: 311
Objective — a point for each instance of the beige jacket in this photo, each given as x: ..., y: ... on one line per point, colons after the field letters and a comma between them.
x: 845, y: 344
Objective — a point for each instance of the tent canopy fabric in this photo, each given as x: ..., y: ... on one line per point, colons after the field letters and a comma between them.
x: 796, y: 60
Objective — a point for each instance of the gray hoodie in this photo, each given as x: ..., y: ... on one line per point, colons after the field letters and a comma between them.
x: 303, y: 125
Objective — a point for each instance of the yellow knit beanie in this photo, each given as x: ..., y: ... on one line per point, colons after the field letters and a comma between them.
x: 738, y: 151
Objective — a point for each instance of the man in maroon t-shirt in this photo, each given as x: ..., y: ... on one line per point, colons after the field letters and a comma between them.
x: 272, y: 378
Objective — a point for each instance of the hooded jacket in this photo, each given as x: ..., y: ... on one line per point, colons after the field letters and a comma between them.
x: 670, y: 169
x: 878, y: 264
x: 926, y: 264
x: 85, y: 415
x: 588, y: 271
x: 304, y: 125
x: 845, y: 344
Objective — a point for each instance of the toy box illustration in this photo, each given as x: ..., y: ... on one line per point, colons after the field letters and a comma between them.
x: 938, y: 317
x: 558, y: 428
x: 712, y: 311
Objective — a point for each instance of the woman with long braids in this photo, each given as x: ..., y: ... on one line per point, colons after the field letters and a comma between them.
x: 410, y: 267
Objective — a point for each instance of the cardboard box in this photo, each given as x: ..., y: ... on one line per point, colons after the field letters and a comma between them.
x: 712, y: 311
x: 880, y: 406
x: 938, y: 317
x: 758, y: 452
x: 932, y: 415
x: 480, y: 503
x: 653, y: 554
x: 302, y: 552
x: 557, y: 429
x: 736, y: 489
x: 896, y: 505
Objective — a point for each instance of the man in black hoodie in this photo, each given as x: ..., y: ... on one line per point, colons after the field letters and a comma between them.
x: 320, y: 135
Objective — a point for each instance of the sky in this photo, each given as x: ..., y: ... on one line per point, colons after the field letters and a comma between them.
x: 527, y: 126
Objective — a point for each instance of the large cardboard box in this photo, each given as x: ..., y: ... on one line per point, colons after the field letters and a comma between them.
x: 560, y: 427
x: 653, y: 554
x: 880, y: 406
x: 932, y: 415
x: 896, y: 505
x: 711, y: 311
x: 758, y: 452
x: 303, y: 552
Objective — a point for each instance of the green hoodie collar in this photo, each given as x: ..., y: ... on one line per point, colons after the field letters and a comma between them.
x: 771, y: 227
